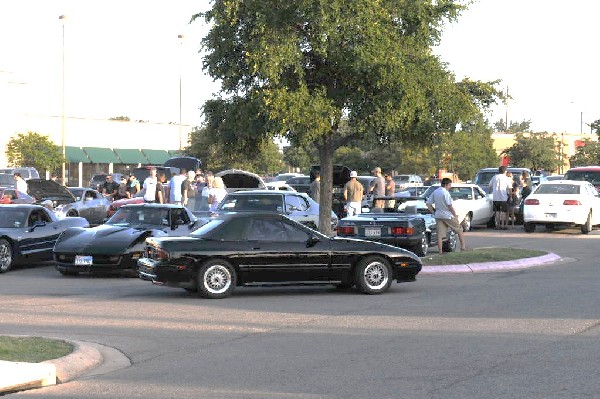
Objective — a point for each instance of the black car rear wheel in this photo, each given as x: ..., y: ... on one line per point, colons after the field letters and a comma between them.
x: 450, y: 243
x: 373, y: 275
x: 216, y: 279
x: 6, y: 256
x: 422, y: 248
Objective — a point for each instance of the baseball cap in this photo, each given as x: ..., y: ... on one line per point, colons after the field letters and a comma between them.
x: 353, y: 174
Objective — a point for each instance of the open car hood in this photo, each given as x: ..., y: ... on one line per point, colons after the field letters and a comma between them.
x: 235, y: 178
x: 43, y: 189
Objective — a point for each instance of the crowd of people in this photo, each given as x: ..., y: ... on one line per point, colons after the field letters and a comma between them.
x: 507, y: 194
x: 196, y: 190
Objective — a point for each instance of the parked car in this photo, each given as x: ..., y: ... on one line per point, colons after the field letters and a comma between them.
x: 136, y: 199
x: 402, y: 182
x: 555, y: 177
x: 286, y: 176
x: 585, y: 173
x: 143, y: 172
x: 473, y: 206
x: 28, y: 233
x: 7, y: 180
x: 12, y: 196
x: 297, y: 206
x: 115, y: 246
x: 236, y: 179
x: 279, y: 186
x: 536, y: 180
x: 414, y: 229
x: 71, y: 202
x: 300, y: 183
x: 25, y: 172
x: 562, y: 203
x: 267, y: 248
x: 484, y: 176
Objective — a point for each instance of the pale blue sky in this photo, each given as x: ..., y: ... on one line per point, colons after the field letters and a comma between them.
x: 124, y: 58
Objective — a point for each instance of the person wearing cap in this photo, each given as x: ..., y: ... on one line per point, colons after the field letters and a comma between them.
x: 378, y: 189
x: 353, y: 195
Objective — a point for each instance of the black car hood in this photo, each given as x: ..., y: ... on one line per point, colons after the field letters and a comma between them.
x: 43, y: 189
x: 103, y: 239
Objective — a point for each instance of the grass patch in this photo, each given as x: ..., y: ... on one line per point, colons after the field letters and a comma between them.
x: 480, y: 255
x: 32, y: 349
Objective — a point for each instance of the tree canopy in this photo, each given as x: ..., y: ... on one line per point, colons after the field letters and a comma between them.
x: 537, y: 151
x: 325, y: 72
x: 587, y: 154
x: 35, y: 150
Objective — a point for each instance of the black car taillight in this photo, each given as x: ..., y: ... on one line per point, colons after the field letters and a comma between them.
x: 345, y: 230
x: 400, y: 231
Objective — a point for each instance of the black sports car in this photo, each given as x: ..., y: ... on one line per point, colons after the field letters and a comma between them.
x: 409, y: 229
x: 28, y: 232
x: 237, y: 249
x: 115, y: 246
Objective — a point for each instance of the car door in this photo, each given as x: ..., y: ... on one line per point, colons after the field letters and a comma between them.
x: 482, y: 206
x: 279, y: 251
x: 594, y: 197
x: 298, y: 208
x: 39, y: 235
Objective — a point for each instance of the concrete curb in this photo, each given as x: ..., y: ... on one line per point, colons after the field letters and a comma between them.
x: 492, y: 266
x: 83, y: 358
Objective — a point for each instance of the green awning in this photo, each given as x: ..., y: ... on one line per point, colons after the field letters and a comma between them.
x: 75, y: 155
x: 101, y: 155
x: 128, y: 155
x: 156, y: 157
x: 174, y: 153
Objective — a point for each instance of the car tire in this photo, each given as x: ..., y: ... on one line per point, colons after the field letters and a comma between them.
x: 529, y: 227
x: 422, y: 248
x: 373, y: 275
x: 6, y: 256
x: 216, y: 279
x: 587, y: 226
x: 466, y: 223
x: 450, y: 243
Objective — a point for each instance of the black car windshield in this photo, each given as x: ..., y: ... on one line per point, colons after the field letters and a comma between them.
x: 12, y: 218
x: 137, y: 215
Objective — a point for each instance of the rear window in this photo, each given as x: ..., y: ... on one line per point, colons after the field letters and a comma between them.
x: 273, y: 203
x: 589, y: 176
x: 558, y: 189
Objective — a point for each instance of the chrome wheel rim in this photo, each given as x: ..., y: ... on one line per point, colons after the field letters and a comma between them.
x: 424, y: 245
x: 452, y: 241
x: 217, y: 279
x: 5, y: 257
x: 467, y: 223
x: 376, y: 275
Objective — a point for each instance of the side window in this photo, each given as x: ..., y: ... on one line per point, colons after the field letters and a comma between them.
x: 295, y: 202
x: 178, y: 217
x: 271, y: 230
x: 295, y: 234
x: 90, y: 195
x: 37, y: 215
x: 235, y: 230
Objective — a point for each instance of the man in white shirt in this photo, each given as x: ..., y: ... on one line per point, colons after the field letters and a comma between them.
x: 175, y: 194
x: 500, y: 185
x: 150, y: 187
x: 440, y: 204
x: 20, y: 183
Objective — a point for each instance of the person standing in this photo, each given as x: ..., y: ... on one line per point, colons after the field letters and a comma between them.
x: 160, y: 188
x: 378, y: 189
x: 353, y: 195
x: 315, y: 188
x: 20, y: 183
x: 110, y: 187
x: 500, y: 184
x: 122, y: 190
x: 175, y: 195
x: 202, y: 204
x: 216, y: 193
x: 390, y: 189
x: 188, y: 191
x: 133, y: 186
x: 440, y: 204
x: 150, y: 185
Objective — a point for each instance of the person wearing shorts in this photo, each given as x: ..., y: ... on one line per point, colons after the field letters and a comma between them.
x: 500, y: 184
x: 440, y: 204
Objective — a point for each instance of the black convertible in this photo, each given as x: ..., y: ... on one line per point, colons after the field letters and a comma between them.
x: 115, y: 246
x: 236, y: 249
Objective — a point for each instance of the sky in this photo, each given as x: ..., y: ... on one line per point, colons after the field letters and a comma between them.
x: 124, y: 58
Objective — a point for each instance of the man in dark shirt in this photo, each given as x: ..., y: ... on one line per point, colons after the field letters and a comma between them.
x: 110, y: 187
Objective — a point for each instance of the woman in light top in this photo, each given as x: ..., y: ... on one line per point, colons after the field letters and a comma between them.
x: 216, y: 193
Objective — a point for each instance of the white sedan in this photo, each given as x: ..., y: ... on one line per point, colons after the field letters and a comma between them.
x: 563, y: 202
x: 473, y: 206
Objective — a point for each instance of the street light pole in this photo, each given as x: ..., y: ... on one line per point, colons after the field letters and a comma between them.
x: 63, y: 171
x: 180, y: 37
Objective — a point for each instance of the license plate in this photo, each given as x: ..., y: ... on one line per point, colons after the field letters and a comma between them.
x: 372, y: 232
x: 551, y: 215
x: 83, y: 260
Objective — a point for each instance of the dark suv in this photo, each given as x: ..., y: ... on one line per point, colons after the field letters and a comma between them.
x: 587, y: 173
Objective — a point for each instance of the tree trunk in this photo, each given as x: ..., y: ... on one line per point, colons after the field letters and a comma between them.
x: 326, y: 149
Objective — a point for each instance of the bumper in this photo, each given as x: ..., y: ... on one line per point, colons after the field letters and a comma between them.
x: 163, y: 274
x: 124, y: 263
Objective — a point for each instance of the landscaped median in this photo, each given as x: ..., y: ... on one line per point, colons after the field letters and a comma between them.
x: 485, y: 259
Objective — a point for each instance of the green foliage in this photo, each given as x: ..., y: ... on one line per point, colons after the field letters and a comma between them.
x: 595, y: 126
x: 588, y: 154
x: 323, y: 73
x: 35, y: 150
x: 217, y: 156
x: 301, y: 157
x: 514, y: 127
x: 535, y: 151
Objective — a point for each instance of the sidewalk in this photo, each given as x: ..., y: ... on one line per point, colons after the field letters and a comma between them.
x: 93, y: 359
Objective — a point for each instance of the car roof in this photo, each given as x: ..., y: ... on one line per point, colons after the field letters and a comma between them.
x: 23, y: 206
x: 570, y: 182
x: 252, y: 192
x: 585, y: 169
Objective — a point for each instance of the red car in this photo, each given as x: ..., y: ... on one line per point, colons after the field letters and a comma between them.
x: 137, y: 199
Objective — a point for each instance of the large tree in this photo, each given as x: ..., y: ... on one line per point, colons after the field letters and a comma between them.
x: 537, y: 151
x: 35, y: 150
x: 587, y: 154
x: 325, y: 72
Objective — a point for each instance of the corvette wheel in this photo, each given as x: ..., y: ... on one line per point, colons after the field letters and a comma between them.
x: 6, y: 256
x: 216, y: 279
x: 373, y: 275
x: 529, y: 227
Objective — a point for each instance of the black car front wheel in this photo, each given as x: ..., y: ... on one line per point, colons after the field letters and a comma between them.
x: 373, y: 275
x: 6, y: 256
x: 216, y: 279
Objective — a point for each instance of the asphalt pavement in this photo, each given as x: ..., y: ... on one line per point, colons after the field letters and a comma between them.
x: 89, y: 359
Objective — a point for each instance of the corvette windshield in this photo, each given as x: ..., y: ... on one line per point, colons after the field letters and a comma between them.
x: 12, y: 218
x: 137, y: 215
